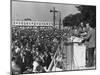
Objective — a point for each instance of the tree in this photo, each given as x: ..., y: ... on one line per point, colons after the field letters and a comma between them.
x: 28, y: 19
x: 72, y: 20
x: 87, y: 14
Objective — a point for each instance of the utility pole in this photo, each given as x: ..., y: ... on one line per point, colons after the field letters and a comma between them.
x: 54, y: 11
x: 59, y: 20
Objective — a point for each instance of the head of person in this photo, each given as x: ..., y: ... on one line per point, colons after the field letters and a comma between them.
x: 36, y: 49
x: 81, y: 24
x: 87, y: 25
x: 90, y: 26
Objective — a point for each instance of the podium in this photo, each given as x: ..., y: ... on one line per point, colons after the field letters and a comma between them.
x: 79, y: 56
x: 68, y: 52
x: 75, y: 54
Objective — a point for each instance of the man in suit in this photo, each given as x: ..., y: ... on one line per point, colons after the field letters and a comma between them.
x: 90, y: 42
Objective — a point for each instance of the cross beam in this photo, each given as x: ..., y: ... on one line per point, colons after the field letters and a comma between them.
x: 54, y: 11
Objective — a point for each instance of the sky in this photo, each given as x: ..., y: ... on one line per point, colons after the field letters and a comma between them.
x: 40, y: 11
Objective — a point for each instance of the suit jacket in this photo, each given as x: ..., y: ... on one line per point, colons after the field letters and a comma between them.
x: 91, y: 39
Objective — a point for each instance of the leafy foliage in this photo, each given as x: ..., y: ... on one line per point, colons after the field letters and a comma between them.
x: 87, y: 14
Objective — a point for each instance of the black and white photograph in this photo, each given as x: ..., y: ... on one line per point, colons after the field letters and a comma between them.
x: 52, y: 37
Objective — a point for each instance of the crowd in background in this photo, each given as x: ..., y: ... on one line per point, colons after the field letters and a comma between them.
x: 32, y: 50
x: 29, y: 46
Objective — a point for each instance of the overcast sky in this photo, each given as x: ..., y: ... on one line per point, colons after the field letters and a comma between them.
x: 40, y: 11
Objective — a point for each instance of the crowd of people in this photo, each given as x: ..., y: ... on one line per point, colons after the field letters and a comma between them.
x: 32, y: 50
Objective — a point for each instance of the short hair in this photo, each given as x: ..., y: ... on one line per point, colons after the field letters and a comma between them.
x: 91, y: 24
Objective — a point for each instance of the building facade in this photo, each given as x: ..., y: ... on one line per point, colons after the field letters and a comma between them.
x: 34, y: 24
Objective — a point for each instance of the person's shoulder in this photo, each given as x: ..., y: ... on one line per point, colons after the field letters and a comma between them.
x: 93, y: 30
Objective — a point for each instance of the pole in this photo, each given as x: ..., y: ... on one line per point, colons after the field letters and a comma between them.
x: 54, y: 11
x: 59, y: 20
x: 54, y: 16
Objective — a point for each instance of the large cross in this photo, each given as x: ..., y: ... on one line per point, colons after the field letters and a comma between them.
x: 54, y: 11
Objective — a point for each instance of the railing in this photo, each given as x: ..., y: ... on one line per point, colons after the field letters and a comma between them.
x: 54, y: 62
